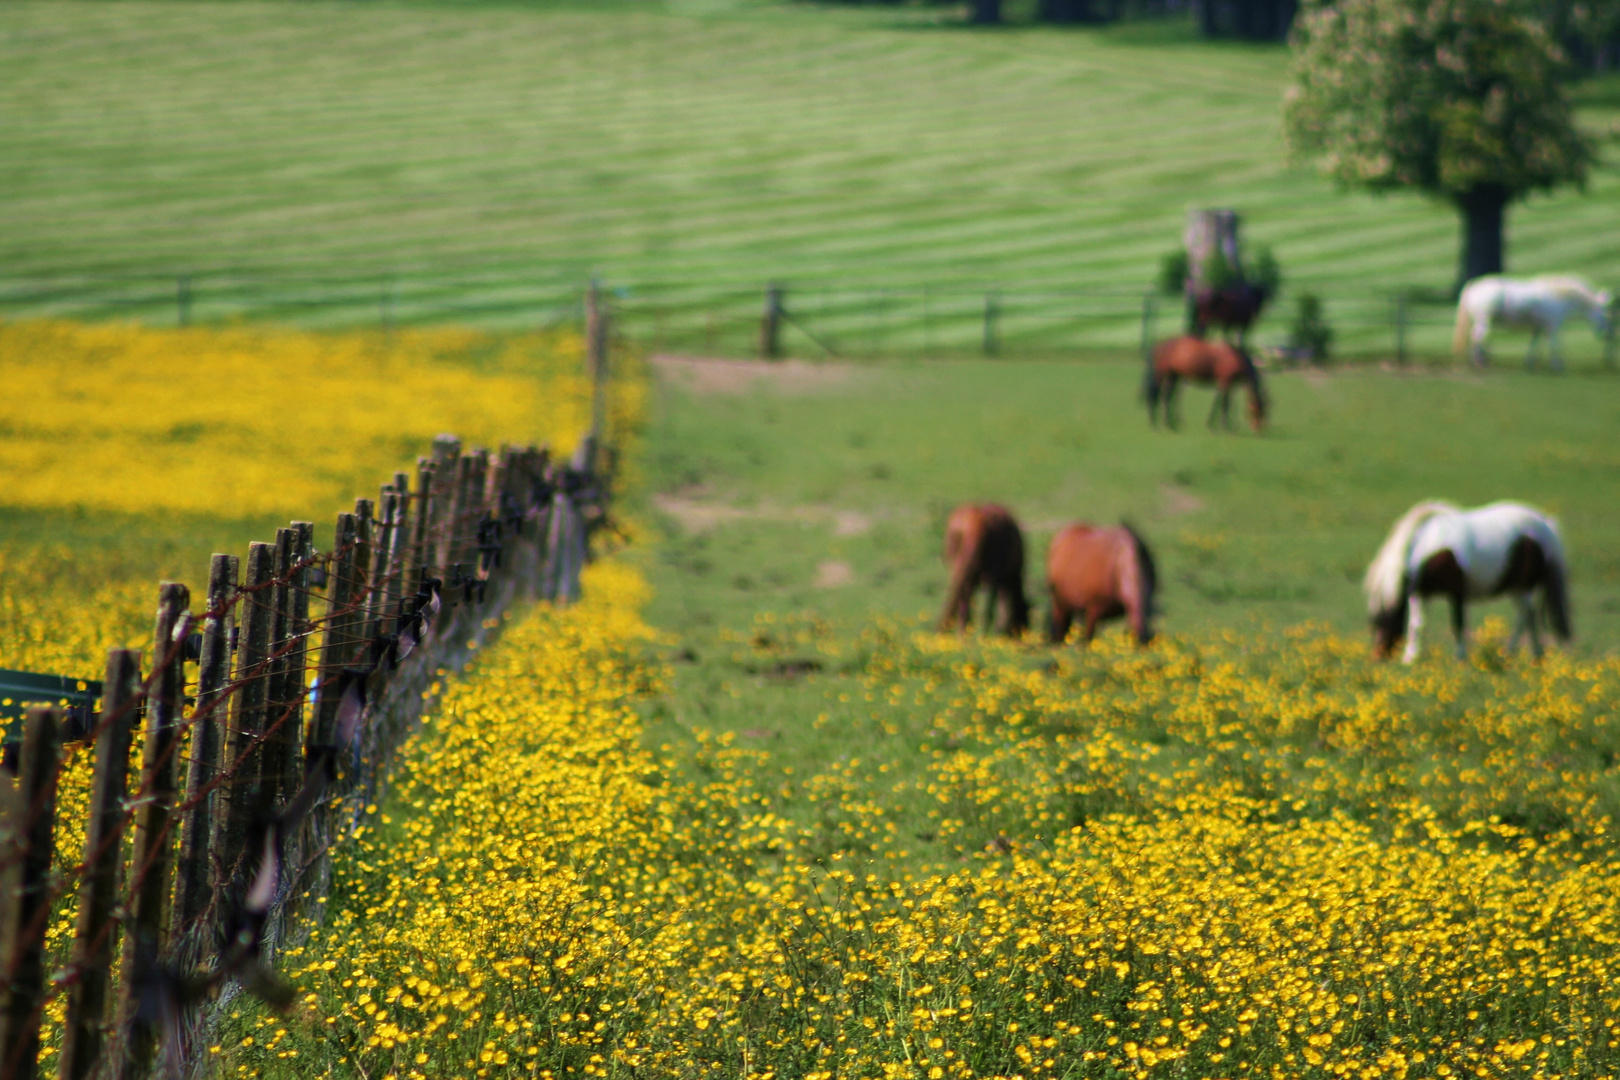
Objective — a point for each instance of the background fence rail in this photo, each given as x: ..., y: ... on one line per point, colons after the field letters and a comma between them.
x: 811, y: 319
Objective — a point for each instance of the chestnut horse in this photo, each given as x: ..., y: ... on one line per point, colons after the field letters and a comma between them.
x: 984, y: 547
x: 1206, y: 363
x: 1100, y: 574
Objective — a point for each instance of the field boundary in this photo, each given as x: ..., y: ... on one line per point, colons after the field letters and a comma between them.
x: 849, y: 319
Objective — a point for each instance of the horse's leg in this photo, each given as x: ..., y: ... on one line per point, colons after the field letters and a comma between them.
x: 1482, y: 327
x: 1170, y: 420
x: 1062, y: 616
x: 1458, y: 626
x: 957, y: 612
x: 1554, y: 361
x: 1414, y: 626
x: 1215, y: 406
x: 1530, y: 356
x: 1530, y: 624
x: 1520, y: 611
x: 1093, y: 617
x: 992, y: 623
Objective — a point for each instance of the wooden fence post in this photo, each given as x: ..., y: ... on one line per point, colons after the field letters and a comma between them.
x: 149, y: 867
x: 596, y: 340
x: 194, y: 879
x: 382, y: 549
x: 245, y: 760
x: 770, y: 324
x: 345, y: 616
x: 25, y: 897
x: 84, y: 1032
x: 280, y: 736
x: 294, y: 684
x: 421, y: 536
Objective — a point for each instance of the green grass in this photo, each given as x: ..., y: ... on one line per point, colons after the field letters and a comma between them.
x: 1251, y: 533
x: 686, y: 144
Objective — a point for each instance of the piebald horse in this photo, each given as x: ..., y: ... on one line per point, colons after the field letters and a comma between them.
x: 1437, y: 549
x: 1097, y: 574
x: 984, y: 547
x: 1538, y: 303
x: 1208, y: 363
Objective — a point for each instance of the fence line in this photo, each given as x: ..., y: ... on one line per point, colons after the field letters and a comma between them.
x: 277, y: 768
x: 837, y: 319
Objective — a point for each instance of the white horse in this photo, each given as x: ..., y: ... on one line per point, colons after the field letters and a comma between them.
x: 1440, y: 549
x: 1539, y: 303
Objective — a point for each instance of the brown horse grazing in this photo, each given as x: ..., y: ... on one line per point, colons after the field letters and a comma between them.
x: 1206, y: 363
x: 1234, y: 307
x: 1100, y: 574
x: 984, y: 547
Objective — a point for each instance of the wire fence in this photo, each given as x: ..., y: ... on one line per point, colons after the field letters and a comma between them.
x: 810, y: 319
x: 198, y: 881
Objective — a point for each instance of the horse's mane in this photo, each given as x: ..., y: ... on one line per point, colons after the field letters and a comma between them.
x: 1572, y: 285
x: 1387, y: 573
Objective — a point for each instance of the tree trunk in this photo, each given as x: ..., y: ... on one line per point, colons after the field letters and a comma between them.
x: 1483, y: 209
x: 1207, y: 21
x: 986, y: 12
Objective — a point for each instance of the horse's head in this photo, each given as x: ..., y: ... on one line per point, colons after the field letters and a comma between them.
x: 1388, y: 627
x: 1601, y: 312
x: 1257, y: 393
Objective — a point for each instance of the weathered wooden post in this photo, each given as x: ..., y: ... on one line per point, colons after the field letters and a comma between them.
x: 294, y: 681
x: 382, y: 550
x: 194, y: 884
x: 25, y: 891
x: 421, y: 534
x: 345, y: 617
x: 245, y: 761
x: 84, y: 1032
x: 596, y: 340
x: 149, y: 880
x: 770, y: 324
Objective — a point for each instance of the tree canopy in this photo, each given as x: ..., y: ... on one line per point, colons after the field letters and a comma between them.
x: 1463, y: 99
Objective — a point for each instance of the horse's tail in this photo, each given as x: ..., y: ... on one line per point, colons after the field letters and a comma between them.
x: 1465, y: 325
x: 1388, y: 569
x: 1147, y: 584
x: 1555, y: 590
x: 954, y: 540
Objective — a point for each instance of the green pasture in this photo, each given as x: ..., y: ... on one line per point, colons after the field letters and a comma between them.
x: 338, y: 162
x: 814, y: 496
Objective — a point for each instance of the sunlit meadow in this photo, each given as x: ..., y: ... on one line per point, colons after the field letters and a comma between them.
x: 131, y: 453
x: 1227, y: 857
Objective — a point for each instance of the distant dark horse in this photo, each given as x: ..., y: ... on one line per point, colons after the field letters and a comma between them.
x: 1210, y: 363
x: 985, y: 548
x: 1232, y: 307
x: 1096, y: 574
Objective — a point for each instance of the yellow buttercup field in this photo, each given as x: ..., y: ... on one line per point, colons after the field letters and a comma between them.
x: 1216, y: 858
x: 132, y: 453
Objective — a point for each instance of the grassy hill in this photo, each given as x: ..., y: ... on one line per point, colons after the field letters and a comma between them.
x: 727, y: 141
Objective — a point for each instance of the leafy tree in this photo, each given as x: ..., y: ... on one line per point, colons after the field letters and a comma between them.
x: 1458, y: 98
